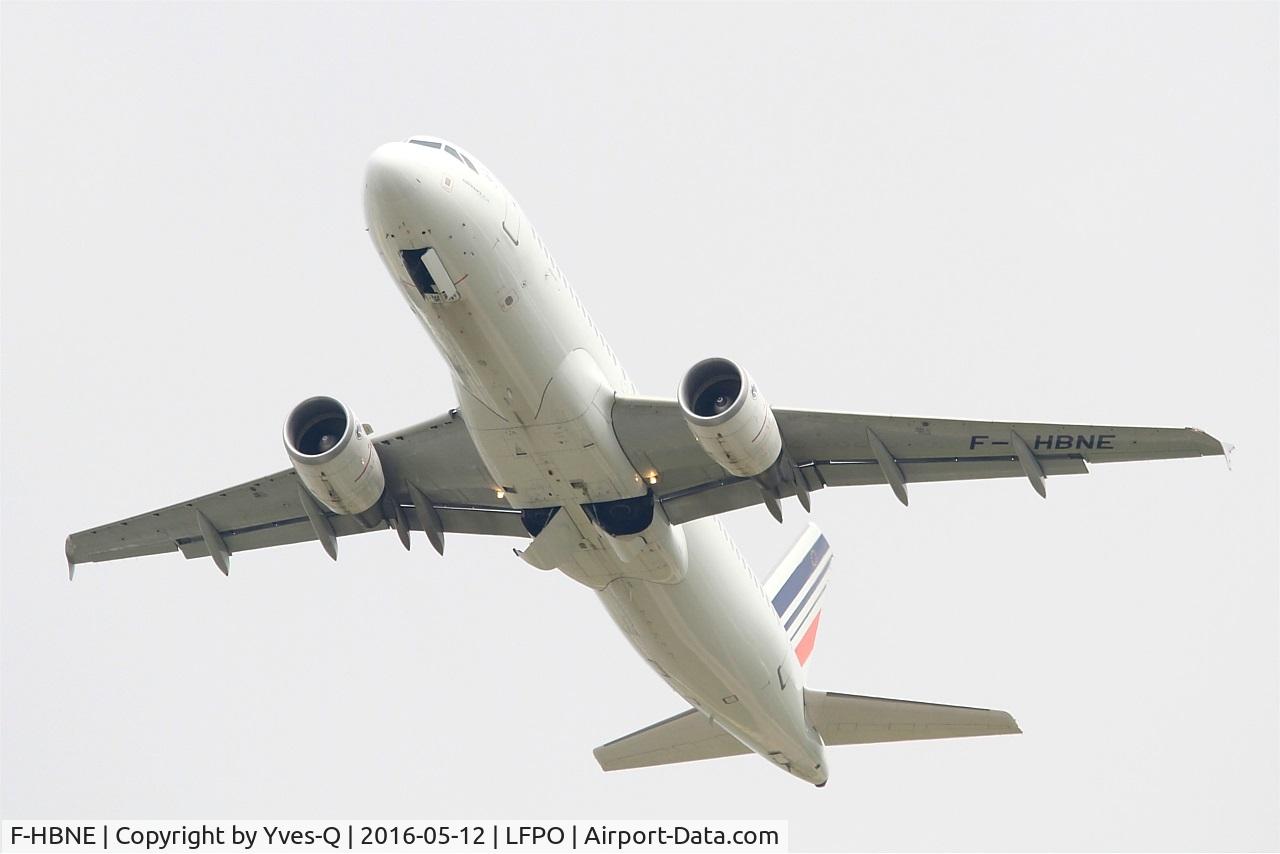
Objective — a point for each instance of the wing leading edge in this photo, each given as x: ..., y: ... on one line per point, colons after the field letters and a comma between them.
x: 827, y: 449
x: 846, y: 449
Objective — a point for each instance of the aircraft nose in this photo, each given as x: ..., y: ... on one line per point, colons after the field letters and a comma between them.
x: 391, y: 174
x: 407, y: 190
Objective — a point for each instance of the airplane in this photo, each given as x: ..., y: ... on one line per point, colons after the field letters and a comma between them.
x: 551, y: 443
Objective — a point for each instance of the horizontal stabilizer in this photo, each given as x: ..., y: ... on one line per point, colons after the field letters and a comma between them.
x: 853, y: 719
x: 838, y: 718
x: 686, y: 737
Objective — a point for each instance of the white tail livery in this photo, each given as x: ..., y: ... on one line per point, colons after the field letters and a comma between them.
x: 551, y: 444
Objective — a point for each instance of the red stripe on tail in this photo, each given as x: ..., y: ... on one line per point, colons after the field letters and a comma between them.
x: 805, y: 647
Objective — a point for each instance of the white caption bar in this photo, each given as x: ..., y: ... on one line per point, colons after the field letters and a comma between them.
x: 137, y: 837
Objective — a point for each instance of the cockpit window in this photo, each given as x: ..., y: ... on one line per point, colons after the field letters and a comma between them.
x: 459, y: 156
x: 450, y: 149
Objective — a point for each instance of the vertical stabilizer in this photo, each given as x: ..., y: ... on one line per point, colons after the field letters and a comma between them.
x: 796, y: 587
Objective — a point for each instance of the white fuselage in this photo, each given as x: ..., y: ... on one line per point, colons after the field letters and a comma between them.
x: 535, y: 382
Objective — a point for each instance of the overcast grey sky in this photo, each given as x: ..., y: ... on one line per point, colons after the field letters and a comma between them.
x: 1042, y: 212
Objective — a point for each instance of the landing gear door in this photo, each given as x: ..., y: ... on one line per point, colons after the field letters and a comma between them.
x: 427, y: 275
x: 511, y: 221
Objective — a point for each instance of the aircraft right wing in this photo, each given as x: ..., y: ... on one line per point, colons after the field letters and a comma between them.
x: 437, y: 457
x: 849, y: 449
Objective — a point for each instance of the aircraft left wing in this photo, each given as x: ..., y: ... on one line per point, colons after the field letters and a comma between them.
x: 848, y: 449
x: 438, y: 456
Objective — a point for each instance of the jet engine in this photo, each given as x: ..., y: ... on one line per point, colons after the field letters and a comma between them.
x: 729, y: 417
x: 334, y: 457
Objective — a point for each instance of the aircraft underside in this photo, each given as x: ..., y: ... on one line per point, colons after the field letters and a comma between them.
x: 551, y: 445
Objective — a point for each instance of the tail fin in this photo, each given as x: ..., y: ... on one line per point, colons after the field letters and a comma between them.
x: 796, y: 586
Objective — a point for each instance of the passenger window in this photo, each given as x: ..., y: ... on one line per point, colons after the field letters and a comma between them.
x: 425, y: 142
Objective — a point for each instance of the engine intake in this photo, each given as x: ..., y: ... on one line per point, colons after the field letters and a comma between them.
x: 729, y: 417
x: 334, y: 457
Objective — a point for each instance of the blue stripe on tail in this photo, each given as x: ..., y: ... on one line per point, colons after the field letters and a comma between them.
x: 795, y: 583
x: 817, y: 585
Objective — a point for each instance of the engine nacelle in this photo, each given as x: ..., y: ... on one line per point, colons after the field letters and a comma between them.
x: 334, y: 457
x: 729, y: 417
